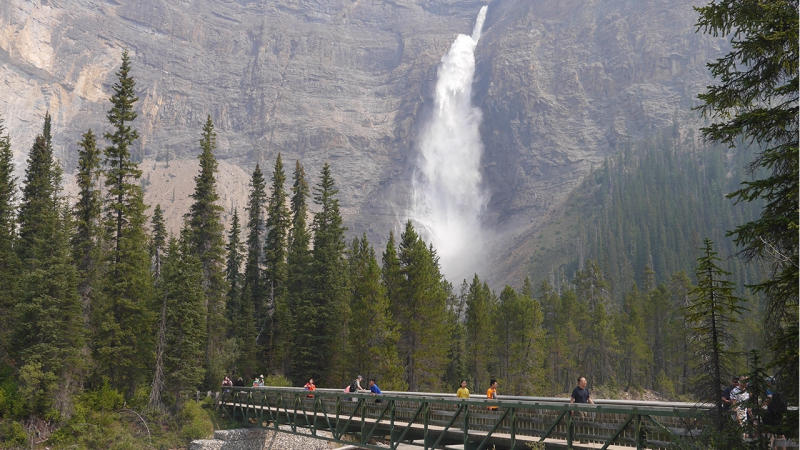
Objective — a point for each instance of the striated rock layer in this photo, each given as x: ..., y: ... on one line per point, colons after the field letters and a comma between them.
x: 561, y: 83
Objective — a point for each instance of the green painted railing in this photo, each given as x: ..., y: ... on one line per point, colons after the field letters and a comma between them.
x: 434, y: 420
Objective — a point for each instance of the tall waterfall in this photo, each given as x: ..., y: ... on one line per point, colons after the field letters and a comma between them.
x: 447, y: 196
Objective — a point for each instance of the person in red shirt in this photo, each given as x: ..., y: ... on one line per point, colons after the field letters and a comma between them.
x: 310, y: 386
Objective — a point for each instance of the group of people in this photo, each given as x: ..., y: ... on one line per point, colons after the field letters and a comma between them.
x: 579, y: 395
x: 238, y: 383
x: 735, y: 397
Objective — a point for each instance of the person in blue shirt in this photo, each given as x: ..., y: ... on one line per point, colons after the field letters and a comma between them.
x: 374, y: 389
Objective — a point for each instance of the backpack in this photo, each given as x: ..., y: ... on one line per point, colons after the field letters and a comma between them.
x: 354, y: 386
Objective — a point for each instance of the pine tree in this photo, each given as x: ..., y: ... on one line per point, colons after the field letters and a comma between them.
x: 756, y: 102
x: 373, y: 335
x: 124, y: 322
x: 158, y: 249
x: 592, y: 292
x: 519, y: 338
x: 253, y: 277
x: 630, y: 329
x: 9, y: 263
x: 299, y: 262
x: 208, y: 244
x: 184, y: 317
x: 48, y: 313
x: 711, y: 312
x: 330, y: 285
x: 275, y: 272
x: 158, y: 243
x: 233, y: 266
x: 480, y: 308
x: 87, y: 242
x: 422, y: 308
x: 391, y: 276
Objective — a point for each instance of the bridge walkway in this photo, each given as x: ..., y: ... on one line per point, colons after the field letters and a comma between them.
x: 432, y: 421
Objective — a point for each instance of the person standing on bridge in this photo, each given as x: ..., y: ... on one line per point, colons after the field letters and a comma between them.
x: 374, y: 389
x: 580, y: 394
x: 310, y: 386
x: 491, y: 394
x: 463, y: 392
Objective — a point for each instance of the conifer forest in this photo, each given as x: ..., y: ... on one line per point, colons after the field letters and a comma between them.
x: 102, y: 309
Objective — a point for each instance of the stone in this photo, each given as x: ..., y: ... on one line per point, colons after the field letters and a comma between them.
x: 561, y: 84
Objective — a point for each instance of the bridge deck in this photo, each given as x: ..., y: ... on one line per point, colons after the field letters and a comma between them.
x: 435, y: 420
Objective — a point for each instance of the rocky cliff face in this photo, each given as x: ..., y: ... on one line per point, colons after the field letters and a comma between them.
x: 561, y: 83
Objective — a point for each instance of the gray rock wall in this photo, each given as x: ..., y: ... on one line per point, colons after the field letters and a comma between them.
x: 561, y: 84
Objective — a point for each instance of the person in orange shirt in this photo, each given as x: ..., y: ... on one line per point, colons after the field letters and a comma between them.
x: 491, y: 394
x: 310, y: 386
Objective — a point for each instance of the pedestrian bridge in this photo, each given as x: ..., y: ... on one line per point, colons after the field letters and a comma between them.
x: 435, y: 421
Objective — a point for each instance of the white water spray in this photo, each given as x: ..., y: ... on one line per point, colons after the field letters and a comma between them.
x: 448, y: 199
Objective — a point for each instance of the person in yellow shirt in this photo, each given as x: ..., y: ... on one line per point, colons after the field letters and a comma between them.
x: 463, y: 392
x: 491, y: 394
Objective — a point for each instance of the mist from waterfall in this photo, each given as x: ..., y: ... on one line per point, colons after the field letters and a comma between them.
x: 447, y: 196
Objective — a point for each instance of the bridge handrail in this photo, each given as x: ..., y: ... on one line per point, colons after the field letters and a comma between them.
x: 683, y: 409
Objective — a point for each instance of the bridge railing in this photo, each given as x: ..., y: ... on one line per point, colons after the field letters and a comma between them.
x: 435, y: 420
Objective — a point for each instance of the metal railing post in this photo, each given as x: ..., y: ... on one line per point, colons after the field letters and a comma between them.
x: 426, y: 415
x: 466, y: 426
x: 570, y: 429
x: 639, y: 424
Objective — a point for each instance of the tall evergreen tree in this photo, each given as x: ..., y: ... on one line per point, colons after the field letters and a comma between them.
x: 711, y: 312
x: 233, y: 266
x: 208, y: 244
x: 330, y: 284
x: 422, y: 308
x: 275, y: 272
x: 373, y: 334
x: 87, y: 242
x: 756, y: 102
x: 299, y: 262
x: 594, y: 321
x: 184, y: 317
x: 630, y: 330
x: 158, y: 242
x: 253, y: 288
x: 158, y: 250
x: 125, y: 321
x: 480, y: 308
x: 519, y: 338
x: 48, y: 313
x: 392, y: 276
x: 9, y: 263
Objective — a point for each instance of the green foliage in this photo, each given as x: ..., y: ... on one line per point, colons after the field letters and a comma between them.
x: 185, y: 318
x: 329, y: 286
x: 298, y: 260
x: 123, y: 323
x: 195, y: 423
x: 280, y: 320
x: 711, y: 312
x: 373, y: 334
x: 480, y: 304
x: 208, y: 245
x: 9, y: 263
x: 49, y: 324
x: 648, y: 206
x: 87, y: 239
x: 253, y: 282
x: 755, y: 103
x: 422, y: 312
x: 233, y: 276
x: 12, y: 434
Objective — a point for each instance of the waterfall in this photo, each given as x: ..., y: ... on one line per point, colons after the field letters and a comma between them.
x: 447, y: 197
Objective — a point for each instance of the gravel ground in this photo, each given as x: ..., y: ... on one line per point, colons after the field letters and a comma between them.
x: 253, y: 439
